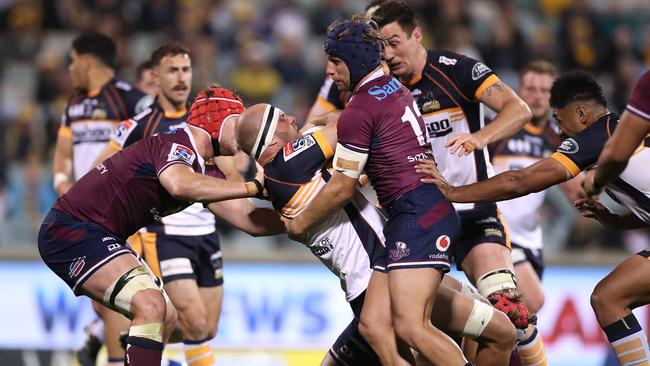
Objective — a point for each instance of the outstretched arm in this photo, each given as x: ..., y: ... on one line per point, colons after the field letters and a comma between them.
x: 247, y: 217
x: 184, y: 184
x: 511, y: 184
x: 598, y: 211
x: 513, y: 114
x: 62, y: 163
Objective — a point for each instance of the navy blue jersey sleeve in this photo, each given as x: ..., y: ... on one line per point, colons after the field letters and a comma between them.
x: 135, y: 101
x: 581, y: 151
x: 471, y: 77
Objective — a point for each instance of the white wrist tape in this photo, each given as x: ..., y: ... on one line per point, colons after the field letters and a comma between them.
x: 59, y: 178
x: 496, y: 280
x: 478, y: 319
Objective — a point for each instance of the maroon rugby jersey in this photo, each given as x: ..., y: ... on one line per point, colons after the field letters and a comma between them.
x: 382, y: 120
x: 124, y: 194
x: 639, y: 103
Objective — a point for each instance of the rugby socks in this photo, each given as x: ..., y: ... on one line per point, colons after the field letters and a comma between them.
x: 143, y: 352
x: 531, y: 350
x: 628, y: 341
x: 198, y: 353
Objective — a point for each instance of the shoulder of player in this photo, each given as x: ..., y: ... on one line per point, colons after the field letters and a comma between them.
x: 75, y: 98
x: 147, y: 113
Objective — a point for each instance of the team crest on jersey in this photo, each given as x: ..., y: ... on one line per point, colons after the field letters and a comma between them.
x: 181, y: 152
x: 479, y: 70
x: 443, y: 242
x: 99, y: 113
x: 569, y: 146
x: 401, y: 251
x: 76, y: 266
x: 295, y: 147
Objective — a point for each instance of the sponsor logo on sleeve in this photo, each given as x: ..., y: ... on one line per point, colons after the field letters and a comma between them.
x: 447, y: 60
x: 479, y: 70
x: 569, y: 146
x: 295, y: 147
x: 181, y: 152
x: 123, y: 130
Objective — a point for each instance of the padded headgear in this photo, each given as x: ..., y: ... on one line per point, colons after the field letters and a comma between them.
x: 345, y: 41
x: 210, y: 108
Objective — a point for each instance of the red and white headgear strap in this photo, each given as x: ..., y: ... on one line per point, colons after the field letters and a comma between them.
x: 210, y: 108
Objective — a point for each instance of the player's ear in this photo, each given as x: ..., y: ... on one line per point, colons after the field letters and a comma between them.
x: 417, y: 34
x: 582, y: 114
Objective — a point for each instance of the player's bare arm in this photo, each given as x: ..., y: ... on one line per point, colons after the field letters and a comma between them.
x: 630, y: 132
x: 334, y: 196
x: 511, y: 184
x: 62, y: 163
x: 228, y: 166
x: 325, y: 120
x: 513, y: 114
x: 245, y: 216
x: 184, y: 184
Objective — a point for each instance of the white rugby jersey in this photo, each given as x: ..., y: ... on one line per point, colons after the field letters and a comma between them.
x: 447, y: 94
x: 90, y: 118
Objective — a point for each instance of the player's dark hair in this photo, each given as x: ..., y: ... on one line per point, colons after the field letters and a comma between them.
x: 98, y: 45
x: 142, y: 67
x: 396, y: 11
x: 576, y: 85
x: 168, y: 49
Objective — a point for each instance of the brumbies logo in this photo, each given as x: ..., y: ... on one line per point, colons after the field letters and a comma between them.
x: 443, y: 242
x: 401, y: 251
x: 569, y: 146
x: 181, y: 152
x: 76, y: 266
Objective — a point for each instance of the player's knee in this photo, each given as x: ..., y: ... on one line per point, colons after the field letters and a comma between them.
x: 149, y: 305
x: 408, y: 331
x: 194, y: 324
x: 599, y: 298
x: 505, y: 332
x: 372, y: 333
x: 534, y: 301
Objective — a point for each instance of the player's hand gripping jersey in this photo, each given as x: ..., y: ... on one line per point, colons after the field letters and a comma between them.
x: 89, y: 119
x: 632, y: 188
x: 127, y: 192
x: 350, y: 242
x: 447, y: 96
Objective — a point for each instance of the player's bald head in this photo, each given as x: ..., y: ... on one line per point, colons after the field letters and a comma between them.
x: 249, y: 125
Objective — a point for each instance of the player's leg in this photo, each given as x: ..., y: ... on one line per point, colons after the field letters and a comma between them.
x: 376, y: 323
x: 484, y: 255
x: 471, y: 317
x: 114, y: 324
x: 94, y: 263
x: 181, y: 260
x: 351, y: 348
x: 418, y: 234
x: 625, y: 288
x: 528, y: 269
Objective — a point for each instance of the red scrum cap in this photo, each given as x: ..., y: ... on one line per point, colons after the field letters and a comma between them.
x: 210, y: 108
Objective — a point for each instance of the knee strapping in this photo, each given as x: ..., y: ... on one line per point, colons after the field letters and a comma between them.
x: 478, y: 319
x: 496, y: 280
x: 118, y: 296
x: 152, y: 331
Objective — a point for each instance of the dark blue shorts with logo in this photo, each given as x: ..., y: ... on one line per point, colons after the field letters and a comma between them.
x: 75, y: 249
x: 482, y: 224
x: 197, y: 258
x: 421, y: 228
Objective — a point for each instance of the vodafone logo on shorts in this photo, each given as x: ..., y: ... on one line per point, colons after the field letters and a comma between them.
x: 443, y: 242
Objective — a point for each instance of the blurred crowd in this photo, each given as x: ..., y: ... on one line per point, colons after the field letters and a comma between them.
x: 272, y: 50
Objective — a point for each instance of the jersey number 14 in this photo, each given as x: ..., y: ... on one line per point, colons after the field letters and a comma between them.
x: 411, y: 116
